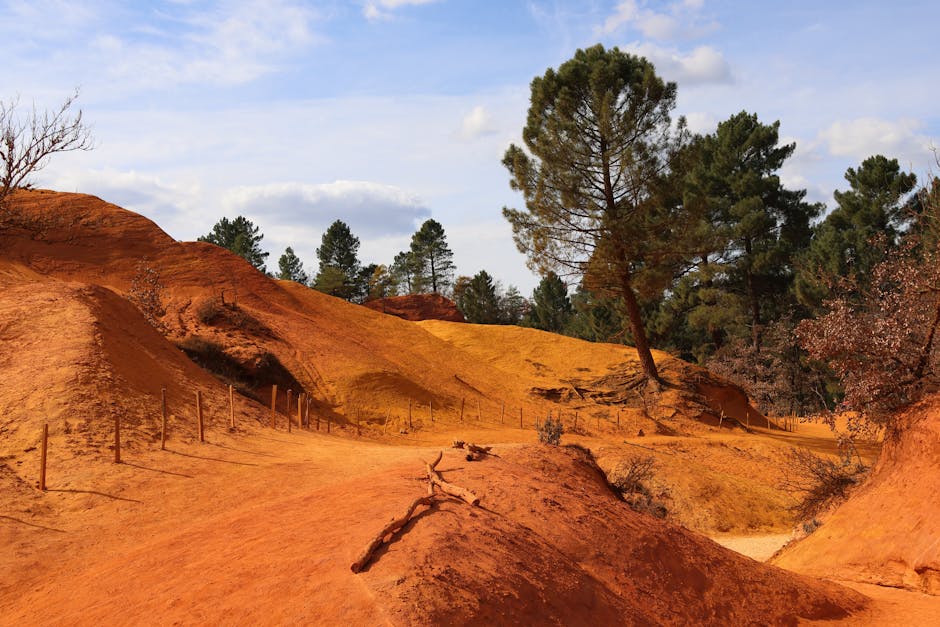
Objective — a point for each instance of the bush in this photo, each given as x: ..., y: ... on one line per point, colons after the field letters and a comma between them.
x: 214, y: 313
x: 819, y: 482
x: 631, y: 479
x: 550, y: 431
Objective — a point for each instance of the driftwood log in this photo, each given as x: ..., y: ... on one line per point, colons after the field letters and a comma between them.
x: 474, y: 452
x: 396, y: 524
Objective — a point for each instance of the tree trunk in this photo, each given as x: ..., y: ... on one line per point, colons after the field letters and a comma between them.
x: 640, y: 341
x: 752, y: 300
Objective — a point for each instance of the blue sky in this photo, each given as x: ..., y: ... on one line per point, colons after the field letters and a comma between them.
x: 385, y: 112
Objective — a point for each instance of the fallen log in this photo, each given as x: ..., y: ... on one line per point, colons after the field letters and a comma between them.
x: 394, y: 525
x: 448, y: 488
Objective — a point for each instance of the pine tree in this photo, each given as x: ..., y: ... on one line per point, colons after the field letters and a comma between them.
x: 596, y: 177
x: 241, y: 237
x: 551, y: 308
x: 513, y: 306
x: 478, y: 300
x: 432, y: 259
x: 758, y: 228
x: 291, y: 268
x: 339, y: 262
x: 854, y: 238
x: 405, y: 272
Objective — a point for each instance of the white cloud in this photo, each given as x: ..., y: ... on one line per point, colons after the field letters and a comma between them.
x: 704, y: 64
x: 382, y: 9
x: 370, y: 209
x: 678, y: 20
x: 477, y: 123
x: 862, y: 137
x: 700, y: 122
x: 172, y: 205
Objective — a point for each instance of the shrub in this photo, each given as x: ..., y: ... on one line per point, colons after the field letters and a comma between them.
x: 630, y: 478
x: 819, y: 482
x: 214, y: 313
x: 550, y: 431
x: 146, y: 293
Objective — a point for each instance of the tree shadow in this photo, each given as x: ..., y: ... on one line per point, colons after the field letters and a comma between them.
x: 265, y: 437
x: 211, y: 459
x: 29, y: 524
x: 241, y: 450
x: 95, y: 492
x: 165, y: 472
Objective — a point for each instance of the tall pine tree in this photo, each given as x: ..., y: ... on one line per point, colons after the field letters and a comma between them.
x: 241, y: 237
x: 867, y: 222
x: 290, y: 268
x: 431, y: 258
x: 339, y: 273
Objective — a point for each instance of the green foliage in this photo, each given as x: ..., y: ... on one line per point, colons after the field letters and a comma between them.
x: 290, y: 268
x: 867, y: 222
x: 431, y: 260
x: 596, y: 318
x: 382, y: 283
x: 478, y: 300
x: 756, y: 230
x: 597, y: 180
x: 339, y: 273
x: 405, y: 272
x: 551, y: 308
x: 241, y: 237
x: 513, y: 306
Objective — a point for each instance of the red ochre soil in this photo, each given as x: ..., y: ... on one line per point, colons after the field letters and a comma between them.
x: 260, y: 526
x: 888, y: 533
x: 417, y: 307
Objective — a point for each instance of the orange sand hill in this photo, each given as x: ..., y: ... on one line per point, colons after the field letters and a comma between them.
x: 417, y: 307
x: 888, y: 532
x: 263, y: 532
x: 356, y: 363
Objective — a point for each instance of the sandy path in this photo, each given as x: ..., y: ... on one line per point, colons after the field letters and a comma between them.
x: 760, y: 548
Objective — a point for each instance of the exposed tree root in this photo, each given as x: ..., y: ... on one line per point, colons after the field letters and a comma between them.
x: 396, y: 524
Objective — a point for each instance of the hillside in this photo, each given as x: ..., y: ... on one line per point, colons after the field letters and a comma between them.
x: 351, y: 360
x: 887, y: 532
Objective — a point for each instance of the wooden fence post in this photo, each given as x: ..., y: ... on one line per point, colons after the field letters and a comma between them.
x: 575, y: 421
x: 273, y: 405
x: 289, y: 393
x: 431, y: 410
x: 300, y: 414
x: 231, y: 406
x: 618, y: 418
x: 520, y: 418
x: 202, y: 431
x: 410, y: 424
x: 117, y: 439
x: 42, y: 461
x: 462, y: 401
x: 163, y: 421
